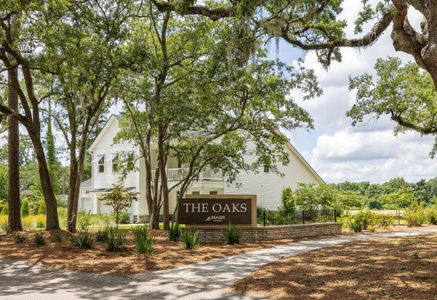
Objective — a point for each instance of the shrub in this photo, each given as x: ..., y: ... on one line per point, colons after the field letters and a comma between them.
x: 432, y: 216
x: 39, y: 239
x: 56, y: 237
x: 372, y: 228
x: 143, y: 244
x: 190, y: 239
x: 233, y: 235
x: 41, y: 208
x: 174, y: 232
x: 124, y: 217
x: 355, y: 224
x: 385, y: 221
x: 102, y: 235
x: 25, y: 207
x: 5, y: 209
x: 83, y: 220
x: 414, y: 218
x: 115, y: 241
x: 366, y: 218
x: 82, y: 240
x: 19, y: 238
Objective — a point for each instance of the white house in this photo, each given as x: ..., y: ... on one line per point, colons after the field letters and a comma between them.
x: 266, y: 185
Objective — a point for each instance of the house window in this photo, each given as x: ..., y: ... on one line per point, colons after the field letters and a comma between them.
x: 195, y: 193
x: 101, y: 164
x: 179, y: 163
x: 266, y: 168
x: 178, y: 195
x: 115, y: 164
x: 213, y: 192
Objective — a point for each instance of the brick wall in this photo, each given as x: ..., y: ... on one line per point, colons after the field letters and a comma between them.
x: 270, y: 233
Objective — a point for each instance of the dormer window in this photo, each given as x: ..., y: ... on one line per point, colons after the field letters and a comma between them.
x: 115, y: 164
x: 101, y: 164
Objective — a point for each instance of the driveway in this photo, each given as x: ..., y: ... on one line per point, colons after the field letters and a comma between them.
x: 207, y: 280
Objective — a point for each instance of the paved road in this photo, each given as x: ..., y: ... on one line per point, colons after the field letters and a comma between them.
x: 207, y: 280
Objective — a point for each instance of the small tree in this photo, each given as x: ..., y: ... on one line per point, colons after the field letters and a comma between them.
x: 119, y: 198
x: 398, y: 200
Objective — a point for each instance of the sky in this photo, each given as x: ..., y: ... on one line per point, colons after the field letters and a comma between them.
x: 368, y: 152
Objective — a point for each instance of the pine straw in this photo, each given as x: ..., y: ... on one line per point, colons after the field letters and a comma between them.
x: 391, y: 268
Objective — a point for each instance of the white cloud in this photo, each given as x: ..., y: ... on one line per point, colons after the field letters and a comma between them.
x: 369, y: 151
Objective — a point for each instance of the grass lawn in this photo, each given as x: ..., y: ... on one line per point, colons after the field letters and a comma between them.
x: 391, y: 268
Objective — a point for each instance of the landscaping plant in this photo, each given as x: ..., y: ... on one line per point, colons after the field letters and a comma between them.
x: 233, y: 234
x: 82, y: 240
x: 102, y: 235
x: 19, y: 238
x: 115, y: 241
x: 372, y: 228
x: 174, y: 232
x: 39, y: 239
x: 143, y: 244
x: 190, y: 239
x: 355, y: 224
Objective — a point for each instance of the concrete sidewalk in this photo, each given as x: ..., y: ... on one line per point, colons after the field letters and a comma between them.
x: 207, y: 280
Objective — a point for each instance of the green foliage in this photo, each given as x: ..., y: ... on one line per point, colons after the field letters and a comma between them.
x: 366, y: 218
x: 82, y: 240
x: 124, y: 217
x: 385, y: 221
x: 116, y: 240
x: 25, y: 207
x: 143, y: 244
x: 432, y: 216
x: 355, y: 224
x: 415, y: 216
x: 4, y: 208
x: 404, y: 92
x: 102, y: 235
x: 19, y: 238
x: 119, y: 198
x: 174, y: 232
x: 372, y: 228
x: 233, y: 234
x: 190, y: 239
x: 41, y: 208
x: 39, y: 238
x: 83, y: 220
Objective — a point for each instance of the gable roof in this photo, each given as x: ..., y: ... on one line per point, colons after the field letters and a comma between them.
x: 112, y: 118
x: 304, y: 162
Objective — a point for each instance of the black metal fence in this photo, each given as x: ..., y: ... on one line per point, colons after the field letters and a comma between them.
x: 270, y: 217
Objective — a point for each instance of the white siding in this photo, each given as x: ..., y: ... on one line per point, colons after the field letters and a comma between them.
x: 106, y: 147
x: 268, y: 186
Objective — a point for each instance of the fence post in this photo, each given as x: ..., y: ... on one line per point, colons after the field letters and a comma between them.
x: 303, y: 216
x: 264, y: 218
x: 335, y: 216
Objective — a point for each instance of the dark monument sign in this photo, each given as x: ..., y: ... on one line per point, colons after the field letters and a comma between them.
x: 217, y: 210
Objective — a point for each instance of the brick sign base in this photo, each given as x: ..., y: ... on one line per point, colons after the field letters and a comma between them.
x: 270, y: 233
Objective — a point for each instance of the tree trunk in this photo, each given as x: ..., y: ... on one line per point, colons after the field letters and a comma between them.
x: 72, y: 213
x: 14, y: 218
x: 52, y: 221
x: 164, y: 184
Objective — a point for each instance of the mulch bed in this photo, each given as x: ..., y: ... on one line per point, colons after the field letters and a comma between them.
x: 166, y: 254
x: 391, y: 268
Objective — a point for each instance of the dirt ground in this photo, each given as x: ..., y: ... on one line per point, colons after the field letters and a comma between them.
x: 391, y: 268
x: 166, y: 254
